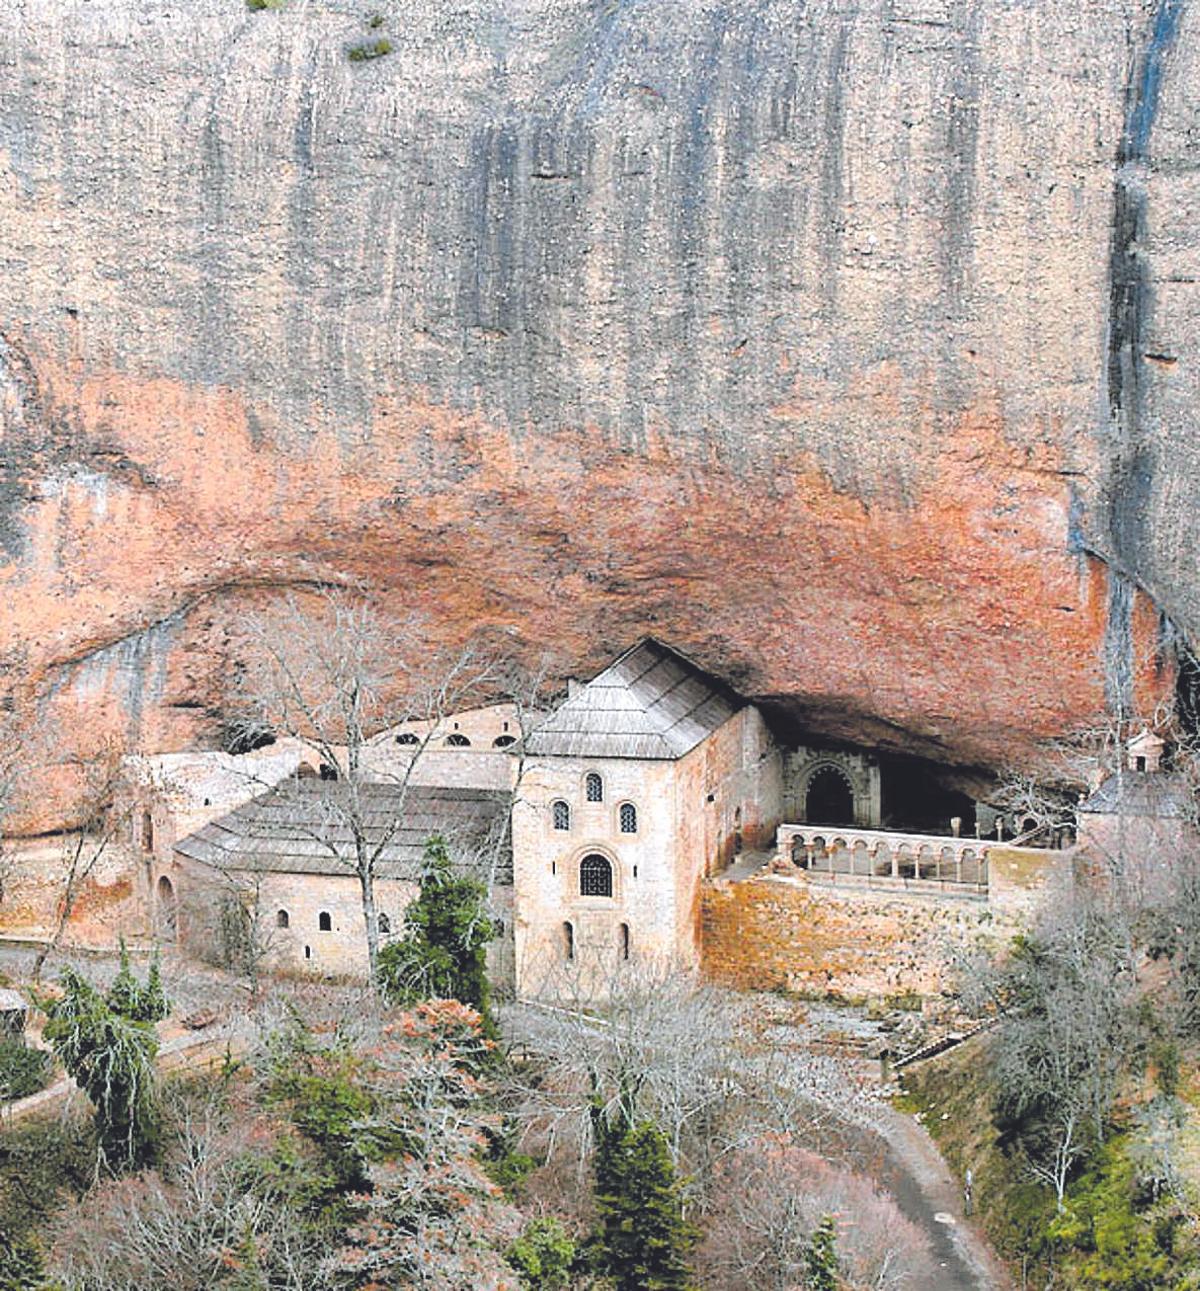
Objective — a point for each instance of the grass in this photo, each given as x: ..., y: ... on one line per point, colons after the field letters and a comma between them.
x: 369, y: 49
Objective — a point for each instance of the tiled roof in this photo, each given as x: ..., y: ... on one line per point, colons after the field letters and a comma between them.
x: 651, y: 703
x: 1142, y: 793
x: 302, y: 827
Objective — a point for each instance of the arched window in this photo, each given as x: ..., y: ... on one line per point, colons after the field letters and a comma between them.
x: 562, y: 815
x: 168, y: 909
x: 628, y: 818
x: 281, y: 919
x: 407, y: 737
x: 324, y: 921
x: 568, y: 941
x: 456, y: 740
x: 503, y: 741
x: 595, y: 876
x: 623, y: 940
x: 385, y: 926
x: 147, y: 832
x: 594, y: 787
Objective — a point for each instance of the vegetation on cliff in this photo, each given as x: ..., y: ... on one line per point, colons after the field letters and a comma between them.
x: 1077, y: 1119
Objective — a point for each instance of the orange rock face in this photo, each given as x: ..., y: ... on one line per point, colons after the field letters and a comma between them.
x: 783, y: 341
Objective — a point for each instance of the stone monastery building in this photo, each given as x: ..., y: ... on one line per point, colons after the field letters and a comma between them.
x: 595, y: 833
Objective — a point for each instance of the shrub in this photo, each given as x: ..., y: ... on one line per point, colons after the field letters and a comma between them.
x: 23, y: 1071
x: 543, y: 1255
x: 257, y: 6
x: 369, y: 49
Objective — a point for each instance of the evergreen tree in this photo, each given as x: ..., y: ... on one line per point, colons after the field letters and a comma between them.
x: 111, y: 1058
x: 128, y: 998
x: 643, y: 1242
x: 820, y: 1258
x: 124, y: 994
x: 443, y: 953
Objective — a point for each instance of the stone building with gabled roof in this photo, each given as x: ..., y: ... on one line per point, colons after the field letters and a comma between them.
x: 646, y: 779
x: 281, y: 866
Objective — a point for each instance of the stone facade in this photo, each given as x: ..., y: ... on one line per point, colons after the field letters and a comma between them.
x: 289, y: 913
x: 692, y: 816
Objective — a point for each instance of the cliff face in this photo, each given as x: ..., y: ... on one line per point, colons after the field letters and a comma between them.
x: 825, y: 340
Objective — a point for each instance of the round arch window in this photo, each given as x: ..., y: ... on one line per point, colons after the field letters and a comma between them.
x: 628, y: 818
x: 595, y: 876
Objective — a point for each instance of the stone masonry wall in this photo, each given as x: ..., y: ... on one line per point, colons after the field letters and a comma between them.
x: 779, y: 933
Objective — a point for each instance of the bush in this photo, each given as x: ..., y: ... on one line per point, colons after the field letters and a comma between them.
x: 543, y: 1255
x: 257, y: 6
x: 370, y: 49
x: 23, y: 1071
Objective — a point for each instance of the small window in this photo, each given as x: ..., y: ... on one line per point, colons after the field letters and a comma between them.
x: 623, y: 940
x: 324, y: 921
x: 385, y: 926
x: 281, y: 919
x: 307, y: 952
x: 1141, y: 764
x: 568, y: 941
x: 594, y: 787
x: 595, y: 876
x: 562, y: 815
x: 628, y: 818
x: 147, y: 832
x: 503, y: 741
x: 458, y: 741
x: 407, y: 737
x: 328, y: 772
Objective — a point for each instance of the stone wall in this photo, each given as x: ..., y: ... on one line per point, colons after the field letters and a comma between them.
x: 111, y: 901
x: 303, y: 947
x: 777, y: 933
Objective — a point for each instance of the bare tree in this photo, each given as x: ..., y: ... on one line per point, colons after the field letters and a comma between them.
x: 701, y: 1062
x: 334, y: 673
x: 102, y: 817
x: 1067, y: 998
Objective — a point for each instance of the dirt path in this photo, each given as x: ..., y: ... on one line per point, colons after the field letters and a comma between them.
x: 930, y: 1196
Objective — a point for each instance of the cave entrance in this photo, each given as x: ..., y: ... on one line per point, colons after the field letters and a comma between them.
x: 830, y: 799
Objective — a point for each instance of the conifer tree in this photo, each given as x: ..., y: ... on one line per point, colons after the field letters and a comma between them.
x: 820, y: 1258
x: 443, y: 953
x: 111, y: 1058
x: 643, y: 1242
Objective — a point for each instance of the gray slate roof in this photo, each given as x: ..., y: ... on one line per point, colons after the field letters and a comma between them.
x: 299, y: 827
x: 651, y: 703
x: 1142, y: 793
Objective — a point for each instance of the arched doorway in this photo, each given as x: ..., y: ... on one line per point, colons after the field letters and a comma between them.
x: 168, y: 909
x: 830, y: 799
